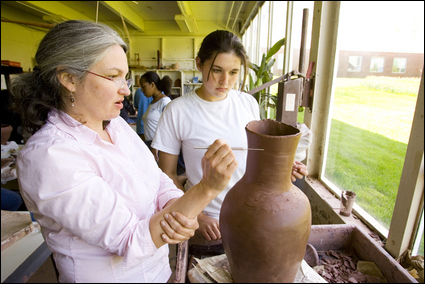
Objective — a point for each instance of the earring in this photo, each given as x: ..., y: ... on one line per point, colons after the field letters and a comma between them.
x: 71, y: 98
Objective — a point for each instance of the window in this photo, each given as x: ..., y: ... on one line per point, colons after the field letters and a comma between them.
x: 264, y: 28
x: 377, y: 64
x: 278, y: 32
x: 371, y: 117
x: 297, y: 19
x: 355, y: 63
x: 359, y: 118
x: 399, y: 65
x: 418, y: 246
x: 254, y: 43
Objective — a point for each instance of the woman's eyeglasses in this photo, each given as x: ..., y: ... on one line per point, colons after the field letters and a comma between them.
x: 119, y: 83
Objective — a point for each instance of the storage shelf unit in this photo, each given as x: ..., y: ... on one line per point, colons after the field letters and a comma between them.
x: 186, y: 79
x: 182, y: 50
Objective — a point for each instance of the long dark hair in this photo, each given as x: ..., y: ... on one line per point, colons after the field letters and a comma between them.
x: 164, y: 84
x: 73, y: 47
x: 222, y: 41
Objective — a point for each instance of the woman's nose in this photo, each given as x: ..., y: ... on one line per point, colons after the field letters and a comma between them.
x: 125, y: 90
x: 224, y: 79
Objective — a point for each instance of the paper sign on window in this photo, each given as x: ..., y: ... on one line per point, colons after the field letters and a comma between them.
x: 290, y: 102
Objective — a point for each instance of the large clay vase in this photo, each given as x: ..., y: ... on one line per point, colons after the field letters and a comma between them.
x: 265, y: 220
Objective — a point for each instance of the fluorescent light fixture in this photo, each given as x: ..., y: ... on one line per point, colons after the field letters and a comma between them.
x: 186, y: 23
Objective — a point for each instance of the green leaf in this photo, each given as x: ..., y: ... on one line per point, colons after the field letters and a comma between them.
x: 276, y: 47
x: 259, y: 82
x: 251, y: 82
x: 270, y: 64
x: 262, y: 67
x: 253, y: 66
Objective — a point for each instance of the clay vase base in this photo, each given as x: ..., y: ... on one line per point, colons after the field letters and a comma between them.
x: 265, y: 220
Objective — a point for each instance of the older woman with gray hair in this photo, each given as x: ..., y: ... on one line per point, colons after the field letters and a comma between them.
x: 105, y: 208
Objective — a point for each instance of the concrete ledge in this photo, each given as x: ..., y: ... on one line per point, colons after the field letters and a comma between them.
x: 325, y: 208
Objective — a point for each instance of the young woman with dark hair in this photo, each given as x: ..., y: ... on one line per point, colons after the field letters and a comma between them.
x: 214, y: 110
x: 160, y: 90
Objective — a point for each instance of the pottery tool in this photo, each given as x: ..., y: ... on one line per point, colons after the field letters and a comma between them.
x: 233, y: 148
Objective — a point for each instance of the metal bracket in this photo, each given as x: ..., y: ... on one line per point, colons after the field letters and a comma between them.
x: 289, y: 98
x: 307, y: 94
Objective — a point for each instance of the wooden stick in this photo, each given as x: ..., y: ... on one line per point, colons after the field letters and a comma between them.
x: 233, y: 148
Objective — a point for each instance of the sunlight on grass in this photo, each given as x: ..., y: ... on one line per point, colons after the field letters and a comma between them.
x: 368, y: 164
x: 377, y: 111
x: 368, y: 141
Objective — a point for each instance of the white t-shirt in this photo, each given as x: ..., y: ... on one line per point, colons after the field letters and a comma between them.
x: 190, y: 121
x: 152, y: 115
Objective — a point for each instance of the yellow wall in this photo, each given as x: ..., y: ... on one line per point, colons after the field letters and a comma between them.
x: 19, y: 42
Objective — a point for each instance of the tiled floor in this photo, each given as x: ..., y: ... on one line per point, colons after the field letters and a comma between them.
x: 46, y: 273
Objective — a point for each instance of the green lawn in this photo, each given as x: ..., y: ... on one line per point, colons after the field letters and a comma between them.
x: 369, y: 133
x: 367, y: 163
x: 368, y: 141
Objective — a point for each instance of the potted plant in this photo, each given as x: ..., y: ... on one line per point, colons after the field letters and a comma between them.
x: 263, y: 74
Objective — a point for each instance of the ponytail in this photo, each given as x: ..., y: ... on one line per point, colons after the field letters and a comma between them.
x: 164, y: 84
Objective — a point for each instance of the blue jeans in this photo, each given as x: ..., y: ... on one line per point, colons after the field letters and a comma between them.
x: 10, y: 200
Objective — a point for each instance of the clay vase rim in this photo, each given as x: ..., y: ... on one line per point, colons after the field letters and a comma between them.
x: 255, y: 126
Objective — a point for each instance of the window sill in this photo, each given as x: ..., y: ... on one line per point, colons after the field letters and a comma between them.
x: 325, y: 208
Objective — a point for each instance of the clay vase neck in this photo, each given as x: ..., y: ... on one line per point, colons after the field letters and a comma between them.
x: 279, y: 142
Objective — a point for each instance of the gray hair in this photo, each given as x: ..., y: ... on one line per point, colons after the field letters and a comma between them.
x: 73, y: 47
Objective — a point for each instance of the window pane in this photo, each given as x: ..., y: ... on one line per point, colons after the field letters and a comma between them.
x: 372, y: 116
x: 399, y: 65
x: 278, y: 30
x: 297, y: 20
x: 355, y: 63
x: 254, y: 43
x: 418, y: 246
x: 264, y: 29
x: 377, y: 64
x: 277, y: 33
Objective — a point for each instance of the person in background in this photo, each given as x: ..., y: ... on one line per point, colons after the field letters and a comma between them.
x: 213, y: 110
x: 105, y: 209
x: 126, y: 110
x: 141, y: 103
x: 160, y: 90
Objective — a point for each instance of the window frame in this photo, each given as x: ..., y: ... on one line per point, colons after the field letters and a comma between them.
x: 409, y: 201
x: 358, y: 67
x: 372, y: 61
x: 405, y: 63
x: 323, y: 52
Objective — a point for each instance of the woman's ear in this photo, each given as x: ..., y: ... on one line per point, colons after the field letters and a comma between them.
x: 198, y: 63
x: 67, y: 80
